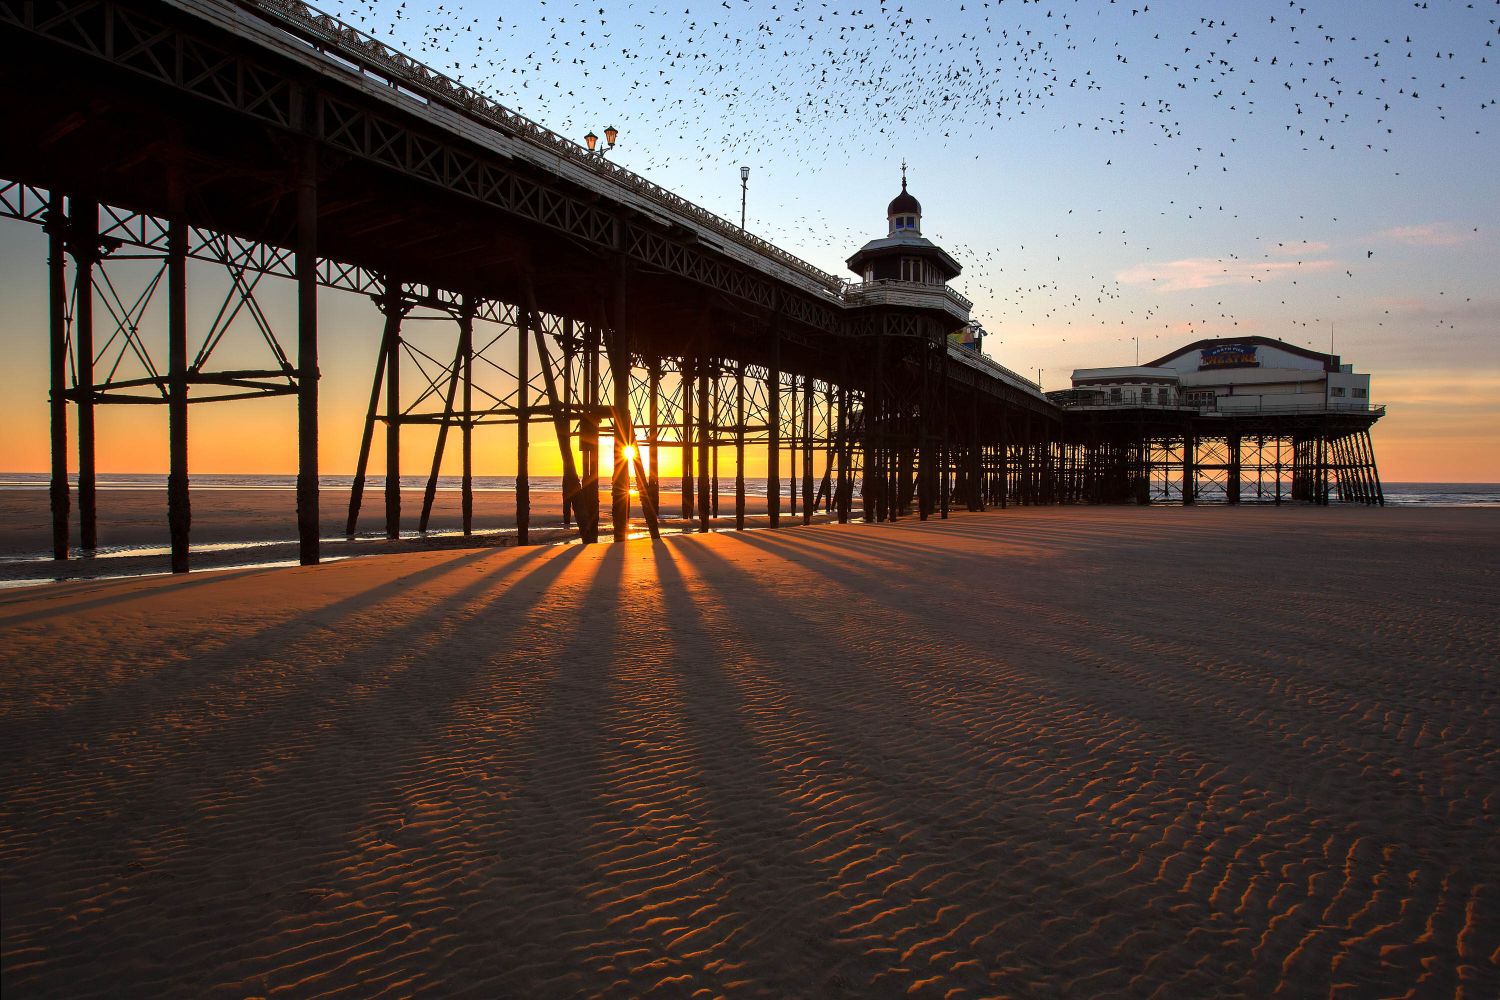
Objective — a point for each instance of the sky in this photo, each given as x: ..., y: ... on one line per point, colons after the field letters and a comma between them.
x: 1117, y: 180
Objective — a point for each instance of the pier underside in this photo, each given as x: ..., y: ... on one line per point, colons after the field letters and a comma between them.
x: 1169, y: 455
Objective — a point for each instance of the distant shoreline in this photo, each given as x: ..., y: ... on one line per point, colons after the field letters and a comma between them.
x: 238, y: 524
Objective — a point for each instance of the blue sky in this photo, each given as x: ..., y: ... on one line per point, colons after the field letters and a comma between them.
x: 1104, y: 171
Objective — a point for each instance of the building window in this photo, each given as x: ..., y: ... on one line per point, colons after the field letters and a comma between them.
x: 911, y: 269
x: 1338, y: 390
x: 1114, y: 395
x: 1161, y: 396
x: 1360, y: 393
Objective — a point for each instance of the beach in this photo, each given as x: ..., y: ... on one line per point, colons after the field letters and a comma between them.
x: 236, y: 526
x: 1060, y: 752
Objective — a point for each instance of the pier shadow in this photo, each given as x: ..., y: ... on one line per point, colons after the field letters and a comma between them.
x: 69, y: 598
x: 147, y: 694
x: 320, y: 774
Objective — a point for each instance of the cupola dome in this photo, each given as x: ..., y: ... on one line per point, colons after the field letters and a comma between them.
x: 904, y: 203
x: 904, y: 213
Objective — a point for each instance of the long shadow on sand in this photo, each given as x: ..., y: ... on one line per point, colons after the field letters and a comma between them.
x: 144, y: 698
x: 70, y: 598
x: 314, y: 772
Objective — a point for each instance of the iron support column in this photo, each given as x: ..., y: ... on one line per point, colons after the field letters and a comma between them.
x: 841, y: 445
x: 705, y: 430
x: 393, y: 436
x: 687, y: 376
x: 466, y: 428
x: 557, y: 406
x: 523, y: 430
x: 739, y: 446
x: 716, y: 400
x: 924, y: 438
x: 84, y: 227
x: 1233, y: 444
x: 588, y: 516
x: 179, y: 509
x: 619, y: 367
x: 792, y: 444
x: 807, y: 449
x: 975, y: 458
x: 945, y: 445
x: 1004, y: 460
x: 57, y: 279
x: 653, y: 380
x: 1189, y: 467
x: 773, y: 429
x: 566, y: 401
x: 454, y: 377
x: 874, y: 464
x: 307, y: 359
x: 390, y: 306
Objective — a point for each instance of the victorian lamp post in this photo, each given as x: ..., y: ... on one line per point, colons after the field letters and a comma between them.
x: 744, y: 187
x: 592, y: 141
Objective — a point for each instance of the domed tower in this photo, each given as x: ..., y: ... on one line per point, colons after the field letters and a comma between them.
x: 904, y: 213
x: 904, y: 254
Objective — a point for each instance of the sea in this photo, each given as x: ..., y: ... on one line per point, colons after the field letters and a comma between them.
x: 1396, y: 494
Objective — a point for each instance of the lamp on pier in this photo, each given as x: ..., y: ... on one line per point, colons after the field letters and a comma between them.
x: 744, y: 187
x: 592, y: 141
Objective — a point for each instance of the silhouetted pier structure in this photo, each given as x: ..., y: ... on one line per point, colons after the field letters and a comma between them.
x: 577, y: 300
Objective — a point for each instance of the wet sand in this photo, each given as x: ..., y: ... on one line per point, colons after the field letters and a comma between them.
x: 240, y: 527
x: 1045, y: 752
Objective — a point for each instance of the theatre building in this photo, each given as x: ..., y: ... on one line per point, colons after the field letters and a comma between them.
x: 1247, y: 419
x: 1248, y: 374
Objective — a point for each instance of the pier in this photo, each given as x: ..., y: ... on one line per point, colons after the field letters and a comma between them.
x: 519, y: 281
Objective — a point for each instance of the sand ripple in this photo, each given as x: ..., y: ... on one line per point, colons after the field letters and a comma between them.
x: 1105, y: 752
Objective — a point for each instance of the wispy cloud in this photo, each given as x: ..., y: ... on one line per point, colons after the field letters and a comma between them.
x: 1205, y: 272
x: 1431, y: 234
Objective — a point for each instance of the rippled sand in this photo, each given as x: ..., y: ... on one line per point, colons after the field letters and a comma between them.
x: 1044, y: 752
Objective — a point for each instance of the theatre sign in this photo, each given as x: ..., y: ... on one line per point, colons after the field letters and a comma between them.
x: 1228, y: 356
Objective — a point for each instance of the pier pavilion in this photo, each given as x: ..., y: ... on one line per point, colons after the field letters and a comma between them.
x: 1245, y: 419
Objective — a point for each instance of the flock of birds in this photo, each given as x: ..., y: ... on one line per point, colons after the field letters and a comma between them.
x: 823, y: 89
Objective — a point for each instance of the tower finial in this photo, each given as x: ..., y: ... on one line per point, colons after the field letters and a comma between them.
x: 903, y: 173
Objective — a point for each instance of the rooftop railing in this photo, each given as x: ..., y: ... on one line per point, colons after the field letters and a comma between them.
x: 857, y: 290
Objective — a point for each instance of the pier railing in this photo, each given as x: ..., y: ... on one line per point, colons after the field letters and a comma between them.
x: 336, y: 38
x: 970, y: 356
x: 1132, y: 400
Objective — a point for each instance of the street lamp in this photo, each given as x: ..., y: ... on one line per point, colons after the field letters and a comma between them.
x: 592, y: 141
x: 744, y: 187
